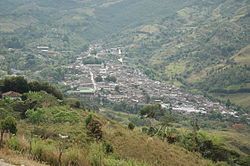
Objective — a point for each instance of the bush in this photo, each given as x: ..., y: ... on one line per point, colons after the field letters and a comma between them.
x: 75, y: 157
x: 73, y: 103
x: 36, y: 86
x: 96, y: 154
x: 131, y: 126
x: 37, y: 150
x: 94, y: 129
x: 108, y: 148
x: 88, y: 119
x: 17, y: 84
x: 45, y: 152
x: 13, y: 143
x: 36, y: 117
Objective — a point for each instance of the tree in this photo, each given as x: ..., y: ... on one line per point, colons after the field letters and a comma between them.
x: 17, y: 84
x: 117, y: 88
x: 196, y: 128
x: 37, y: 86
x: 14, y: 42
x: 65, y: 38
x: 98, y: 78
x: 111, y: 79
x: 8, y: 125
x: 151, y: 111
x: 73, y: 102
x: 165, y: 124
x: 228, y: 103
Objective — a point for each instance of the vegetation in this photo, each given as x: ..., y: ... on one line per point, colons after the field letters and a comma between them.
x: 111, y: 79
x: 8, y: 125
x: 202, y: 46
x: 56, y: 133
x: 20, y: 84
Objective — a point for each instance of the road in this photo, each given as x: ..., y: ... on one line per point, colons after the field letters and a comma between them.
x: 92, y: 79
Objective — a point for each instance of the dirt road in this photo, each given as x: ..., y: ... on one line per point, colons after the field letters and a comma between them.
x: 2, y: 163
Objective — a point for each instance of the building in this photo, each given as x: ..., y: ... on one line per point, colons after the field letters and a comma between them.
x: 83, y: 92
x: 12, y: 95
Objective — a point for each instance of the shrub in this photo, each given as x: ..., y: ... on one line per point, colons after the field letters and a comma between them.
x: 17, y: 84
x: 72, y: 157
x: 8, y: 125
x: 131, y: 126
x: 94, y: 129
x: 45, y: 152
x: 144, y: 130
x: 108, y: 148
x: 73, y: 103
x: 13, y: 143
x: 37, y: 116
x: 96, y: 154
x: 75, y: 157
x: 37, y: 150
x: 88, y: 119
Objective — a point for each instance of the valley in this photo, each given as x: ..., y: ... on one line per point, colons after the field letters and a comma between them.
x: 124, y: 82
x: 130, y: 85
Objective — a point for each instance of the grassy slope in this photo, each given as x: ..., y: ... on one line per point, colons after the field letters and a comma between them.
x: 242, y: 57
x: 13, y: 158
x: 127, y: 144
x: 135, y: 145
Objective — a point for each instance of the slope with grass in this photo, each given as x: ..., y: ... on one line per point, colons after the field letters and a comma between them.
x: 189, y: 43
x: 38, y: 137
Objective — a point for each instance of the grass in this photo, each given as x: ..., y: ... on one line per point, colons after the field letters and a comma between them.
x: 14, y: 158
x: 243, y: 56
x: 241, y: 99
x: 135, y: 145
x: 150, y: 29
x: 130, y: 147
x: 175, y: 68
x: 238, y: 141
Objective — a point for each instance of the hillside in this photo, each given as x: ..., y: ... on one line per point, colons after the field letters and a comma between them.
x: 182, y: 42
x: 163, y: 82
x: 201, y: 46
x: 60, y: 132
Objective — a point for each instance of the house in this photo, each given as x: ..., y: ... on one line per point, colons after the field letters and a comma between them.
x: 83, y: 92
x: 12, y: 95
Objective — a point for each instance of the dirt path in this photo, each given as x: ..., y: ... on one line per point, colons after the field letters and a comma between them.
x: 2, y: 163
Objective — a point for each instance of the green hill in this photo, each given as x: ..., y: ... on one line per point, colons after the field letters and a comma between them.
x: 37, y: 123
x: 46, y: 128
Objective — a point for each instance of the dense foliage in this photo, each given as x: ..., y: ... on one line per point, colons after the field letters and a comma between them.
x: 20, y: 84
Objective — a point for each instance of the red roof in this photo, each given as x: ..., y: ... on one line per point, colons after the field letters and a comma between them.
x: 11, y: 94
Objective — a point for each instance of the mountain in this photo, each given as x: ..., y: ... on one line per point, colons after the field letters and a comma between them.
x: 202, y: 46
x: 197, y: 44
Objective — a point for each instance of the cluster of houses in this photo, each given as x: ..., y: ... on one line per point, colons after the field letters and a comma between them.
x: 131, y: 85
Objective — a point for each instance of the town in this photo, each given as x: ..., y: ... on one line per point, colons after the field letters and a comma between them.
x: 104, y: 74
